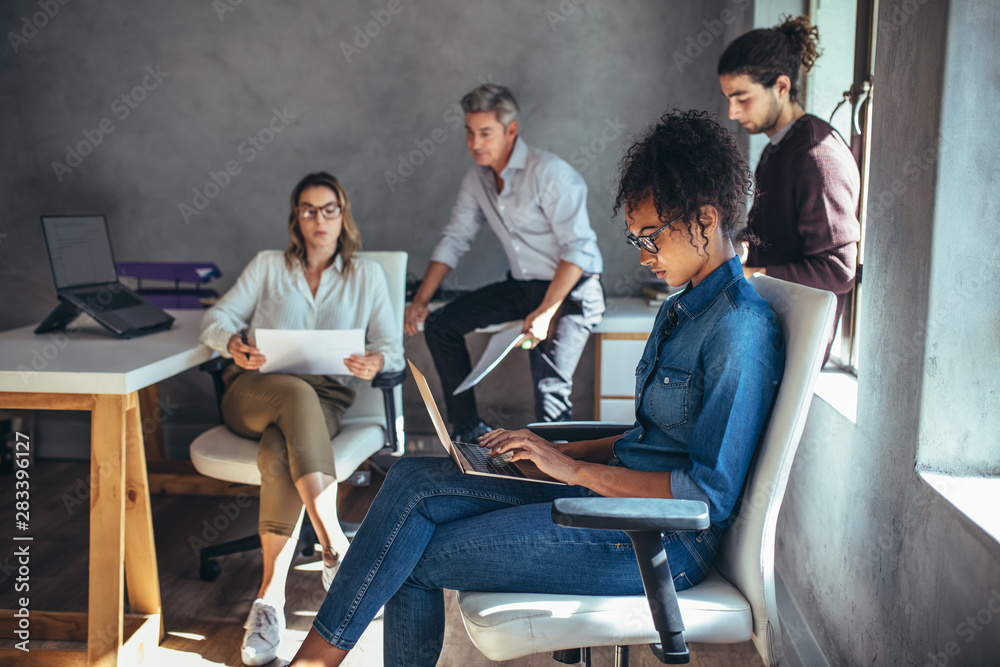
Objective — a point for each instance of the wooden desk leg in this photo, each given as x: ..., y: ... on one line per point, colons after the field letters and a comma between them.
x: 149, y: 408
x: 140, y: 551
x: 107, y: 530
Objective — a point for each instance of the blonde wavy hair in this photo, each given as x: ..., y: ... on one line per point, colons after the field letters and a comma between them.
x: 350, y: 236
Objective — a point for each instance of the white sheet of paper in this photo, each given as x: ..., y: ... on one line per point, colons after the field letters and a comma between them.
x: 501, y: 343
x: 315, y: 351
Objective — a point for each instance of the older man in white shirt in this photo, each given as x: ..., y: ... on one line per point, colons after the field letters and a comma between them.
x: 536, y: 204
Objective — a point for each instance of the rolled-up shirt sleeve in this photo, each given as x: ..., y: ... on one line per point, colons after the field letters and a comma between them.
x: 232, y: 312
x: 563, y: 199
x: 466, y: 219
x: 740, y: 384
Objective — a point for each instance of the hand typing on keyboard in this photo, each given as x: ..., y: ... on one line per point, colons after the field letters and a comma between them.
x: 507, y: 448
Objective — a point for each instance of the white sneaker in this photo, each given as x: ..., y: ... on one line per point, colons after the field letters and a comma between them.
x: 329, y: 572
x: 264, y: 626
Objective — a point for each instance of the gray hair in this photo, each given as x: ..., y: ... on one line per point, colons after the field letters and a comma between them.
x: 492, y: 97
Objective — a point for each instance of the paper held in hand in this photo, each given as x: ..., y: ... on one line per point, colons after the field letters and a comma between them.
x: 314, y: 351
x: 501, y: 343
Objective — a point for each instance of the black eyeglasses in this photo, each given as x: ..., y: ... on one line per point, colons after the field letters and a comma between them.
x: 308, y: 211
x: 646, y: 242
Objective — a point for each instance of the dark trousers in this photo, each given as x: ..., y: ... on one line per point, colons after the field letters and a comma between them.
x: 553, y: 361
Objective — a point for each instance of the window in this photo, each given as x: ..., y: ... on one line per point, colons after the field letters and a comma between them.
x: 838, y: 89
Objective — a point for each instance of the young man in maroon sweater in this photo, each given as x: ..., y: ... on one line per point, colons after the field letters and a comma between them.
x: 807, y: 181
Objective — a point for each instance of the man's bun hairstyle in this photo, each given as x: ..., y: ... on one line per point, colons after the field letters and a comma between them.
x: 767, y: 53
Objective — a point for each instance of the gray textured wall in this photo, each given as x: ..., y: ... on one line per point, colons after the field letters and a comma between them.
x: 350, y: 107
x: 885, y: 569
x: 576, y: 68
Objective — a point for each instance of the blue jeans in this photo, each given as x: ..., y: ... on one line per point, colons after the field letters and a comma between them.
x: 432, y: 527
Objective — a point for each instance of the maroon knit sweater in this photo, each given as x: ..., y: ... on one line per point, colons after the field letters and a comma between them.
x: 805, y: 214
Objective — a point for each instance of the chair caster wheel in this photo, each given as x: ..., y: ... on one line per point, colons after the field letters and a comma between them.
x: 209, y: 570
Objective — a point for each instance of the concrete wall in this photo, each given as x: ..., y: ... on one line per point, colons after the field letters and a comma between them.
x: 303, y: 76
x: 886, y: 570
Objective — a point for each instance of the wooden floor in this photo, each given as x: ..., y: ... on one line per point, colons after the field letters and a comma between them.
x: 204, y: 620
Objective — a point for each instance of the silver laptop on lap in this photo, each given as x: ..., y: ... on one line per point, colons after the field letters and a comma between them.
x: 470, y: 457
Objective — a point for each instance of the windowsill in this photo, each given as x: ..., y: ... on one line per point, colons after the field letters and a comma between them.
x: 840, y: 390
x: 975, y: 497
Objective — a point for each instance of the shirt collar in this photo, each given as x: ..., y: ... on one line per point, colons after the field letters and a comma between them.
x: 776, y: 138
x: 518, y: 156
x: 338, y: 264
x: 696, y: 300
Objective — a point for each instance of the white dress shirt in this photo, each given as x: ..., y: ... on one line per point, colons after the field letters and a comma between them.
x: 269, y: 296
x: 540, y: 217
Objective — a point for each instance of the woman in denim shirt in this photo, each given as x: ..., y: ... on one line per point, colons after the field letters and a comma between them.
x: 704, y: 388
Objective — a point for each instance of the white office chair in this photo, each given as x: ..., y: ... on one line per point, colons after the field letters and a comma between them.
x: 373, y: 422
x: 736, y: 602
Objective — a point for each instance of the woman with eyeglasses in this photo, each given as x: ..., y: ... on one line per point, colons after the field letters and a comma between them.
x: 316, y: 283
x: 704, y: 388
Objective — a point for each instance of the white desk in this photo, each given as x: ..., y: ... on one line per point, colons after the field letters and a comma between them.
x: 88, y: 369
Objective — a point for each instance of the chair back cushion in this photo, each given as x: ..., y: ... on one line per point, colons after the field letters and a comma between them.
x: 746, y: 556
x: 369, y: 402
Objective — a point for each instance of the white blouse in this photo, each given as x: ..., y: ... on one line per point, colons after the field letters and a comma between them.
x: 269, y: 296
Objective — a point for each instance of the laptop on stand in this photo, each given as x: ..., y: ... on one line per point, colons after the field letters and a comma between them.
x: 471, y: 458
x: 83, y: 269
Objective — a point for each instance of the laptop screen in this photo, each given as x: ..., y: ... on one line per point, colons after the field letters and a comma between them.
x: 79, y: 250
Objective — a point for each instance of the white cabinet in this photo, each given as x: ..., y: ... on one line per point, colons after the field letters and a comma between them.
x: 617, y: 356
x: 619, y: 342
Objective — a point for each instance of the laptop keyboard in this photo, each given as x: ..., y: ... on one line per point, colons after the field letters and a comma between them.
x: 107, y: 299
x: 481, y: 462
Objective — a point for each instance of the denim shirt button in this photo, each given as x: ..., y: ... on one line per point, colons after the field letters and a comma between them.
x: 666, y: 380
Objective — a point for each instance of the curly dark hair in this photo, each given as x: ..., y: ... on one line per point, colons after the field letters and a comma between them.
x: 685, y: 161
x: 767, y: 53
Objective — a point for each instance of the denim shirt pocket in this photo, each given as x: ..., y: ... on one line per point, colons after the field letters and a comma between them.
x: 669, y: 395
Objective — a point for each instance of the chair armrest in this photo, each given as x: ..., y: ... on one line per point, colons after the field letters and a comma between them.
x: 658, y: 514
x: 215, y: 365
x: 573, y: 431
x: 643, y: 519
x: 393, y: 425
x: 388, y: 380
